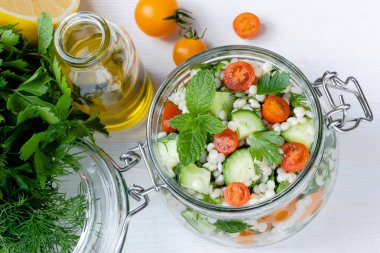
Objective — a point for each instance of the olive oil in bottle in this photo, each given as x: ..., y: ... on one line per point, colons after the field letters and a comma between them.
x: 102, y: 68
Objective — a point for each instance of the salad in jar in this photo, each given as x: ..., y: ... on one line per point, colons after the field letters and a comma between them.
x: 236, y: 133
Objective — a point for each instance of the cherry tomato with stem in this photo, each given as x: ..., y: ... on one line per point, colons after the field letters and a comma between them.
x: 237, y: 194
x: 246, y: 25
x: 295, y: 156
x: 275, y: 109
x: 170, y: 111
x: 189, y: 45
x: 226, y: 142
x: 239, y: 76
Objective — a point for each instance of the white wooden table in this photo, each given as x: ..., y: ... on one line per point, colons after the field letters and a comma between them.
x: 340, y: 35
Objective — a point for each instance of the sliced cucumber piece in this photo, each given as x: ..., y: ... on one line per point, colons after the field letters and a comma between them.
x: 239, y: 167
x: 303, y: 133
x: 223, y: 101
x: 199, y: 223
x: 167, y: 149
x: 247, y: 122
x: 195, y: 178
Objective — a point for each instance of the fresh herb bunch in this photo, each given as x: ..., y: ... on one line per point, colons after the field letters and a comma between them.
x: 38, y: 128
x: 194, y: 126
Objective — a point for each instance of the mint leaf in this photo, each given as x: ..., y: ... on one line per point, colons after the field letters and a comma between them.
x: 298, y: 100
x: 265, y: 147
x: 2, y: 118
x: 30, y: 146
x: 211, y: 124
x: 273, y: 84
x: 45, y: 32
x: 36, y: 84
x: 191, y: 143
x: 183, y: 121
x: 200, y: 92
x: 44, y: 113
x: 231, y: 226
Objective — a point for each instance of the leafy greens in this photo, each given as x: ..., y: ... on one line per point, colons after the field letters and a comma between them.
x: 194, y: 126
x: 38, y: 128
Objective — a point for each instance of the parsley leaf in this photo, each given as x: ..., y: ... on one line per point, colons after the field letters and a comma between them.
x: 200, y: 92
x: 45, y: 32
x: 9, y: 39
x: 273, y: 84
x: 265, y: 147
x: 41, y: 163
x: 30, y: 146
x: 231, y: 226
x: 60, y: 80
x: 298, y: 100
x: 36, y: 84
x: 32, y: 111
x: 18, y: 102
x: 258, y: 170
x: 282, y: 186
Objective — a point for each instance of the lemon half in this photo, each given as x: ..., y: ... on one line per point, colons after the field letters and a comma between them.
x: 24, y: 13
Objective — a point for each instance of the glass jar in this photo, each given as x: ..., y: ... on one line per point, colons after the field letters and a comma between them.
x: 106, y: 199
x: 260, y: 224
x: 286, y: 213
x: 103, y: 70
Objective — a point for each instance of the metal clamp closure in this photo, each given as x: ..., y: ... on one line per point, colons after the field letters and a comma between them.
x: 337, y: 118
x: 131, y: 158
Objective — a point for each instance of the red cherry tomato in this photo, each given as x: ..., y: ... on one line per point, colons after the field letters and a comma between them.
x: 226, y: 142
x: 275, y: 110
x: 239, y: 76
x: 237, y: 194
x: 246, y: 25
x: 295, y: 156
x: 170, y: 111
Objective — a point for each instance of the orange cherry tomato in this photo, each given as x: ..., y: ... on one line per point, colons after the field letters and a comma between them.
x: 315, y: 205
x: 149, y: 15
x: 170, y: 111
x: 246, y: 25
x: 295, y: 156
x: 281, y: 214
x: 237, y: 194
x: 226, y: 142
x: 239, y: 76
x: 246, y: 237
x: 186, y: 48
x: 275, y: 110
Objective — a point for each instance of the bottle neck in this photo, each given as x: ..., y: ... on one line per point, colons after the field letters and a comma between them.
x: 82, y: 39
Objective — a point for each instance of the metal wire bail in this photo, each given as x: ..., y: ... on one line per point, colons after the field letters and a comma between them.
x: 338, y: 118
